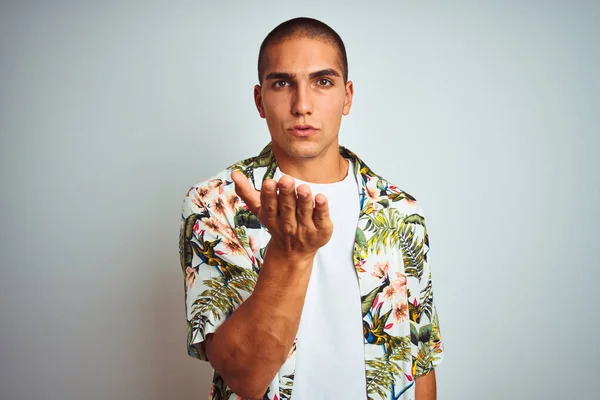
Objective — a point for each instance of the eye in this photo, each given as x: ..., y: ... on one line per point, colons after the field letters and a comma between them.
x: 324, y: 82
x: 280, y: 84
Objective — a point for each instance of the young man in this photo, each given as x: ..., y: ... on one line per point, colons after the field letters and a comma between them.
x: 296, y: 296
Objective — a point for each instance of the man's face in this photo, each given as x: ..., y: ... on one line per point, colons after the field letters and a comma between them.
x: 303, y: 97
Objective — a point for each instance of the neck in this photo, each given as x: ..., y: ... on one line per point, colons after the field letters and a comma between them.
x: 327, y: 167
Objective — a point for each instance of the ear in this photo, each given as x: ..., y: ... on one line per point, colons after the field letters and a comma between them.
x: 348, y: 99
x: 258, y: 101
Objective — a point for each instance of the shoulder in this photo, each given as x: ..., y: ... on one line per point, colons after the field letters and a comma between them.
x: 216, y: 195
x: 381, y: 191
x: 220, y: 187
x: 204, y: 194
x: 376, y: 186
x: 387, y: 204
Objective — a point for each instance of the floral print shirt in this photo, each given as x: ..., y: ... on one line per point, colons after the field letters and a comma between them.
x: 222, y: 247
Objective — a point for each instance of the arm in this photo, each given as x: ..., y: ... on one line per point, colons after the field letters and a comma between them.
x: 253, y: 343
x: 429, y: 352
x: 425, y: 387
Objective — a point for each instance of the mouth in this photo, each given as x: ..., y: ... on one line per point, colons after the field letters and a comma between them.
x: 302, y: 130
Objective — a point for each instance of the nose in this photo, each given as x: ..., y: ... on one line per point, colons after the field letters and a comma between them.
x: 302, y: 101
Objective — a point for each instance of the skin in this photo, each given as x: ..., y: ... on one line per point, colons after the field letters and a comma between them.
x: 253, y: 343
x: 302, y: 84
x: 425, y: 387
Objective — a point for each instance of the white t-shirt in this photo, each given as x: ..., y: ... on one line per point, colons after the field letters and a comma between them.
x: 330, y: 361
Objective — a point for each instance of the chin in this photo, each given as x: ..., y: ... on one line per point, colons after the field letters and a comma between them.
x: 303, y: 150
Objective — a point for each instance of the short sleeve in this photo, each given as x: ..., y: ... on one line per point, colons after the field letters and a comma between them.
x: 428, y: 338
x: 218, y: 274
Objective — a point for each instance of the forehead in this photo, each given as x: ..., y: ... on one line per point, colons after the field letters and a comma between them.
x: 302, y: 56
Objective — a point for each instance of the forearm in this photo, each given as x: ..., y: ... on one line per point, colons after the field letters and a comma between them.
x: 251, y: 345
x: 425, y: 387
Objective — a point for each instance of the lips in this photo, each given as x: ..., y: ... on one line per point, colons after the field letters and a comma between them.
x: 302, y: 130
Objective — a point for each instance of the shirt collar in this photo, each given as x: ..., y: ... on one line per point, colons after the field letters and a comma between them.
x: 264, y: 166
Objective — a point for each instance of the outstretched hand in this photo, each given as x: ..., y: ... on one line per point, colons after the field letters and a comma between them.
x: 296, y: 223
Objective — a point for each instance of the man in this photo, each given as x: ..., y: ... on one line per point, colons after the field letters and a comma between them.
x: 296, y: 296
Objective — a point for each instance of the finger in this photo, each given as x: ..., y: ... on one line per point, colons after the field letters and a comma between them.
x: 247, y: 193
x: 286, y: 203
x: 321, y: 213
x: 268, y: 201
x: 304, y: 207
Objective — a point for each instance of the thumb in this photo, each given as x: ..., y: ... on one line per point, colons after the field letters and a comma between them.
x: 247, y: 193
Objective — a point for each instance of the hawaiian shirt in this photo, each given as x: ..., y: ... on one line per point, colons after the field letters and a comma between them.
x: 222, y: 246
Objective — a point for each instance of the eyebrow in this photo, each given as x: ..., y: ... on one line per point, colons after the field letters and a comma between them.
x: 324, y: 72
x: 316, y: 74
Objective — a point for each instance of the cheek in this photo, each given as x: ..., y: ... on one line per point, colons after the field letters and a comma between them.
x: 332, y: 103
x: 275, y: 107
x: 331, y: 110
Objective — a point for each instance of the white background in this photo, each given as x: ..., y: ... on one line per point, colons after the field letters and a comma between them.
x: 485, y: 111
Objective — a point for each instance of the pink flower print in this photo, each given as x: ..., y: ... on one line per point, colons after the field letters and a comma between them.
x: 381, y: 269
x: 200, y: 196
x: 190, y: 277
x: 372, y: 194
x: 212, y: 224
x: 232, y: 201
x: 399, y: 283
x: 376, y: 302
x: 218, y: 206
x: 228, y: 233
x: 202, y: 193
x: 215, y: 226
x: 233, y: 247
x: 216, y: 184
x: 412, y: 204
x: 389, y: 292
x: 253, y: 245
x: 400, y: 312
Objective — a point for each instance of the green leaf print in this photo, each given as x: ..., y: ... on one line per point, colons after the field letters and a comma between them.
x: 412, y: 252
x: 425, y: 333
x: 286, y: 392
x: 185, y: 235
x: 246, y: 218
x: 400, y: 348
x: 414, y: 336
x: 383, y: 371
x: 221, y: 391
x: 360, y: 238
x: 416, y: 219
x: 224, y: 293
x: 426, y: 306
x: 430, y: 348
x: 380, y: 376
x: 384, y: 202
x: 385, y: 225
x: 367, y: 300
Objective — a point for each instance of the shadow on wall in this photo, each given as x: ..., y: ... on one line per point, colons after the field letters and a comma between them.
x: 174, y: 374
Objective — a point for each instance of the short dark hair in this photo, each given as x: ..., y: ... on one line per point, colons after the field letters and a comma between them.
x: 303, y: 27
